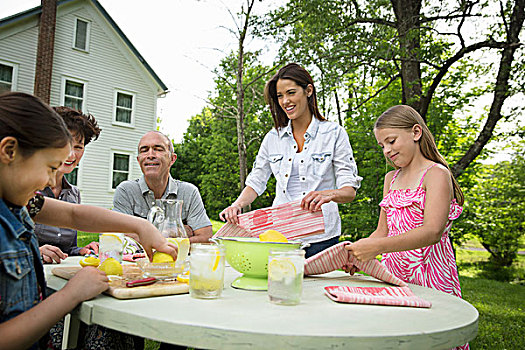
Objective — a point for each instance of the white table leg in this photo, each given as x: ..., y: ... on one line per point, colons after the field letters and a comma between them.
x: 71, y: 328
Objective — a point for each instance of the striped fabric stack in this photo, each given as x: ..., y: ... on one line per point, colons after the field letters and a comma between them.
x: 288, y: 218
x: 399, y: 296
x: 336, y: 257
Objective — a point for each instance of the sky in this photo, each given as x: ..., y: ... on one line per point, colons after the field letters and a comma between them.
x: 182, y: 40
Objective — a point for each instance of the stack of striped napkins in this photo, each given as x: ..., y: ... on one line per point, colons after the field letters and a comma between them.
x: 336, y: 257
x: 397, y: 296
x: 288, y: 218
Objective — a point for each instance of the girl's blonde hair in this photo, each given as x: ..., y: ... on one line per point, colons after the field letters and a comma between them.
x: 405, y: 117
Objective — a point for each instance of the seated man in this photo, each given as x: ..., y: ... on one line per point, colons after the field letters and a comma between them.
x: 136, y: 197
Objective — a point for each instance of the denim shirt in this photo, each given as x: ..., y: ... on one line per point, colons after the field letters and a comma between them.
x: 326, y: 162
x: 19, y: 270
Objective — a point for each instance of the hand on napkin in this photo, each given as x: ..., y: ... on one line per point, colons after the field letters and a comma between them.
x: 400, y: 296
x: 289, y: 218
x: 336, y: 257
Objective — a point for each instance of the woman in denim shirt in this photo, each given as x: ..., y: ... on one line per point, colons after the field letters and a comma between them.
x: 310, y: 157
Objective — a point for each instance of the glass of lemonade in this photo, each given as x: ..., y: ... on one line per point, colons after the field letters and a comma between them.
x: 285, y: 276
x: 111, y: 245
x: 206, y: 270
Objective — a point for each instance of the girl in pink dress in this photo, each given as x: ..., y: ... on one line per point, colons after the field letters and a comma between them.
x: 421, y: 198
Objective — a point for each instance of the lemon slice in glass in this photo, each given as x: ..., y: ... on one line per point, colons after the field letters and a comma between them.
x: 111, y: 241
x: 216, y: 261
x: 279, y: 269
x: 183, y: 247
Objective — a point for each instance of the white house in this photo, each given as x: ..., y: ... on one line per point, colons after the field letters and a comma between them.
x: 95, y: 68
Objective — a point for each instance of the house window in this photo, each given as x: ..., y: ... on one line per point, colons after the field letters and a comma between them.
x: 124, y: 108
x: 74, y: 94
x: 120, y: 169
x: 81, y: 39
x: 72, y: 177
x: 6, y: 77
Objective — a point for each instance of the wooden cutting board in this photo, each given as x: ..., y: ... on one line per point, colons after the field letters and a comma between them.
x: 119, y: 290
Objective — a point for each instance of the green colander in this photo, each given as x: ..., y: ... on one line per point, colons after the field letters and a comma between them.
x: 249, y: 256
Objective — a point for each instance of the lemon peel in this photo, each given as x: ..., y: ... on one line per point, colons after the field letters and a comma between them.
x: 89, y: 261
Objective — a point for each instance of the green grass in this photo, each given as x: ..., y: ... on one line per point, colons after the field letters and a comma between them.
x: 501, y: 310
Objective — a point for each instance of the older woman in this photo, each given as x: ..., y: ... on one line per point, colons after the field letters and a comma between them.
x: 57, y: 243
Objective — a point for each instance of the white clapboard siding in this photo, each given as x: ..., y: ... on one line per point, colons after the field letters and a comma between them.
x: 108, y: 66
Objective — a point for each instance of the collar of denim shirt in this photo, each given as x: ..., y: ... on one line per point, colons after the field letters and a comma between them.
x: 17, y: 219
x: 311, y: 131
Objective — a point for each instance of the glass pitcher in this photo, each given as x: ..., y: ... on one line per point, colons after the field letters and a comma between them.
x: 168, y: 219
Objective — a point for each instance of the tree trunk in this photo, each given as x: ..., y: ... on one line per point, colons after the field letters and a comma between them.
x: 338, y: 108
x: 241, y: 143
x: 501, y: 90
x: 407, y: 14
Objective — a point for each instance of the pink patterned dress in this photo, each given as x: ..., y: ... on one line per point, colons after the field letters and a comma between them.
x: 433, y: 266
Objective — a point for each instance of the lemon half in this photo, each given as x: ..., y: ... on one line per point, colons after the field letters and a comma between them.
x: 90, y: 261
x: 159, y: 257
x: 272, y: 236
x: 111, y: 267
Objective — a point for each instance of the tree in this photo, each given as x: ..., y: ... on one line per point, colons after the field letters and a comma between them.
x: 496, y: 208
x: 364, y: 42
x: 207, y: 154
x: 246, y: 22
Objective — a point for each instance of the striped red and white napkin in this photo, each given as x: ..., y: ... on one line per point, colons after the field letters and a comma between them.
x: 288, y: 218
x: 399, y: 296
x: 337, y: 256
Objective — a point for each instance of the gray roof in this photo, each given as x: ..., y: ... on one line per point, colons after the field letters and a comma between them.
x: 37, y: 10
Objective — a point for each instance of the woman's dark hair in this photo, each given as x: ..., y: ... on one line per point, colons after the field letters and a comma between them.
x: 301, y: 77
x: 79, y: 123
x: 32, y: 122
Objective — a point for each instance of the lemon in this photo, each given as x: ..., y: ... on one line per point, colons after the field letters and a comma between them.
x: 159, y: 257
x: 183, y: 278
x: 90, y: 261
x: 183, y: 247
x: 272, y: 236
x: 111, y: 267
x: 279, y: 269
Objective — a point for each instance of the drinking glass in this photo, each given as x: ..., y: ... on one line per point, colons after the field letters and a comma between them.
x: 111, y: 245
x: 285, y: 276
x: 206, y: 270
